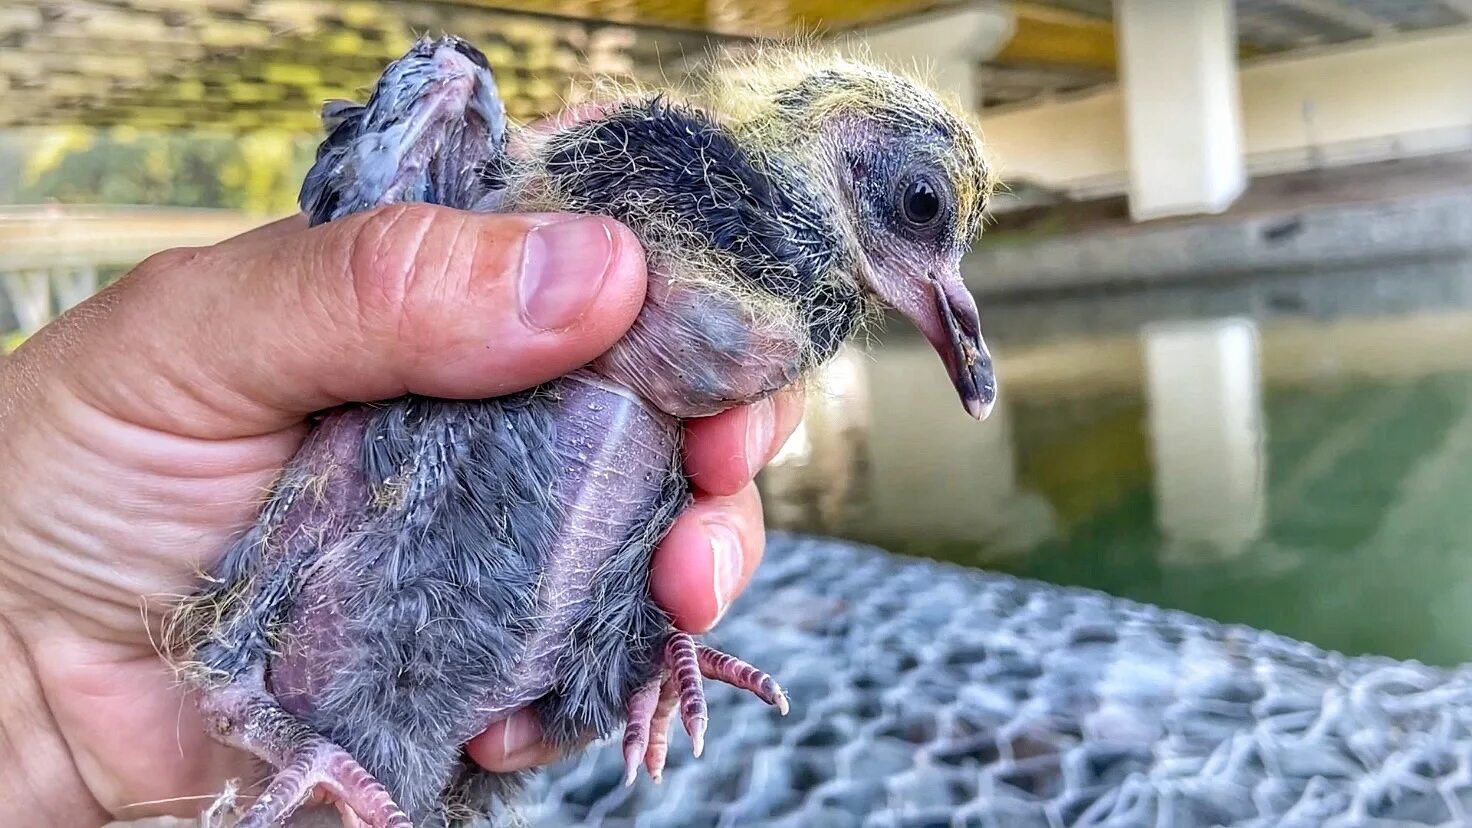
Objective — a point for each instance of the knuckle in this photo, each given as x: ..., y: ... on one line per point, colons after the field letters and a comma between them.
x: 159, y: 275
x: 167, y: 262
x: 388, y: 257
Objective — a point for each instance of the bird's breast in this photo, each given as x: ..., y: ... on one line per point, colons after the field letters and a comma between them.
x: 615, y: 458
x: 616, y: 480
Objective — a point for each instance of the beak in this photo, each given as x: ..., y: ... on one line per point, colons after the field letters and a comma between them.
x: 945, y: 312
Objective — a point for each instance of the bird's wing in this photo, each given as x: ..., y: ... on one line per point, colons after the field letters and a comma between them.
x: 336, y: 111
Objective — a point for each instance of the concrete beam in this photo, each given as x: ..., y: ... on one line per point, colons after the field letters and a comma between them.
x: 1462, y: 7
x: 52, y: 236
x: 1183, y: 114
x: 948, y: 46
x: 1344, y: 15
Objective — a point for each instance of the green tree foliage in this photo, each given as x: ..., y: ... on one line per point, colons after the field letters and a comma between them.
x: 257, y: 172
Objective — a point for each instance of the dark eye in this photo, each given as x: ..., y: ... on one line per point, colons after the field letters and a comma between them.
x: 920, y: 202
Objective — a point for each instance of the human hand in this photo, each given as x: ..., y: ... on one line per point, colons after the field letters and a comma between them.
x: 140, y: 432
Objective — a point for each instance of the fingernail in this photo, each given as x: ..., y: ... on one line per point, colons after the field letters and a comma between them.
x: 725, y: 551
x: 520, y: 733
x: 563, y: 265
x: 761, y: 425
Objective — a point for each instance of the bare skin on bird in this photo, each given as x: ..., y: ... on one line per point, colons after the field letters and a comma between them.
x: 423, y: 567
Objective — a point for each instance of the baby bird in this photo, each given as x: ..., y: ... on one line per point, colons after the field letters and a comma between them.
x: 423, y: 568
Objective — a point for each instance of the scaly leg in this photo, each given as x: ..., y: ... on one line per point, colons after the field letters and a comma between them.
x: 724, y: 667
x: 659, y: 731
x: 650, y: 709
x: 243, y: 715
x: 684, y: 668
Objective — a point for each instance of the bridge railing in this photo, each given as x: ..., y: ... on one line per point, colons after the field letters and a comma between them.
x: 54, y: 256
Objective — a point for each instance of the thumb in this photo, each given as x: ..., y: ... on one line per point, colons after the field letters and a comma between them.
x: 249, y: 335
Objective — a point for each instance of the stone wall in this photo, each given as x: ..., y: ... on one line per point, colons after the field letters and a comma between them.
x: 1330, y: 236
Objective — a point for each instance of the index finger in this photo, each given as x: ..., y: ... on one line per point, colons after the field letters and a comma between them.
x: 724, y: 453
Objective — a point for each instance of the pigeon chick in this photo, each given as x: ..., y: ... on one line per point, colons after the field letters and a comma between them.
x: 423, y: 567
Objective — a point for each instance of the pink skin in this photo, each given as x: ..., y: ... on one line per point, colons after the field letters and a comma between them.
x: 139, y: 432
x: 721, y: 462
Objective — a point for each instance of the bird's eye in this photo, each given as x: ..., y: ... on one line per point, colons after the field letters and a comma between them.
x: 920, y: 202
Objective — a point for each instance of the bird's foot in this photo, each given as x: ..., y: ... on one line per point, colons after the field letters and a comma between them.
x: 652, y: 707
x: 321, y: 771
x: 309, y: 767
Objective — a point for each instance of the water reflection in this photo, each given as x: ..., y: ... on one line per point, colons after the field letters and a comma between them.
x: 1306, y: 476
x: 935, y: 473
x: 1203, y: 385
x: 818, y: 477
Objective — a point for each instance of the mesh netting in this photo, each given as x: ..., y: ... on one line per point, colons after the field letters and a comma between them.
x: 930, y: 695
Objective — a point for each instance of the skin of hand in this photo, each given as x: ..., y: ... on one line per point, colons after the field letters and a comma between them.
x: 140, y: 431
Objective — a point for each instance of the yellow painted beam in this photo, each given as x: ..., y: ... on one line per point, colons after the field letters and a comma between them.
x: 1057, y: 37
x: 1048, y: 36
x: 740, y: 18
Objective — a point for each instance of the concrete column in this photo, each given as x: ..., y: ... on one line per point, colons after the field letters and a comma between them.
x: 948, y: 46
x: 1204, y: 397
x: 1183, y: 114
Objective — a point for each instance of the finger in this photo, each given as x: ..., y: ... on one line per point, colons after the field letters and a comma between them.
x: 514, y: 743
x: 707, y: 558
x: 724, y: 453
x: 249, y: 335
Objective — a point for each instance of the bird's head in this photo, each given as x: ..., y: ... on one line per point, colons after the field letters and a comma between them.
x: 909, y: 173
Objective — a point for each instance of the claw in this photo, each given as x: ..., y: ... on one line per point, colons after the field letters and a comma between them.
x: 723, y: 667
x: 642, y: 708
x: 321, y: 765
x: 679, y: 685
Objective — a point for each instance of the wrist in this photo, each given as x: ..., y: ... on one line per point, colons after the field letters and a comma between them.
x: 42, y: 785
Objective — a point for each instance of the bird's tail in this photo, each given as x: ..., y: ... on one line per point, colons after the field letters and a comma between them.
x: 434, y: 130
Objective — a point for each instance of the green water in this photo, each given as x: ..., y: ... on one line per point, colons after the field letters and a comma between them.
x: 1328, y: 485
